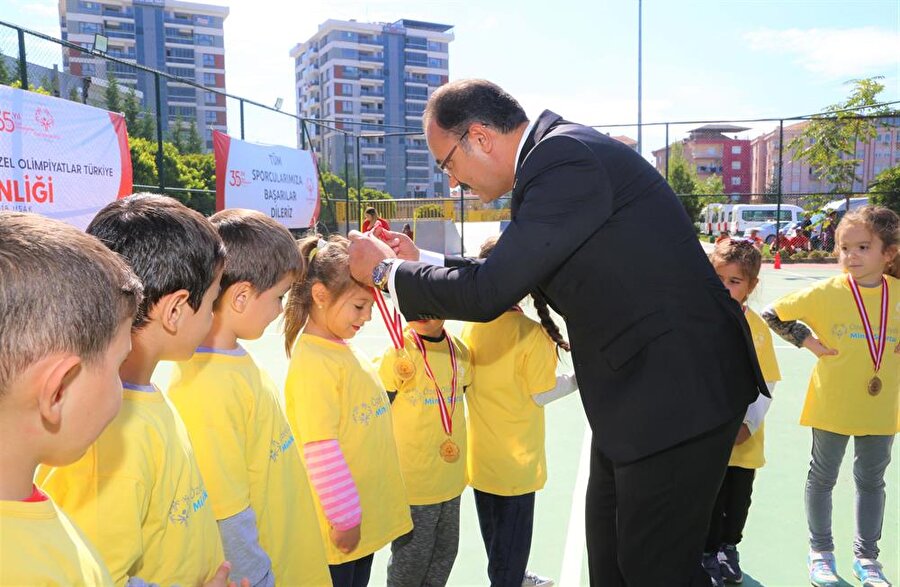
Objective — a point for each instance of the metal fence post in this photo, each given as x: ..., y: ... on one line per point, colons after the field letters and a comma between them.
x: 23, y: 63
x: 302, y: 134
x: 159, y: 135
x: 359, y: 184
x: 668, y: 151
x: 778, y: 194
x: 347, y: 185
x: 242, y: 119
x: 462, y: 222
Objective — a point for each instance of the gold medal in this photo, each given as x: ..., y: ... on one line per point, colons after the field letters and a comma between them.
x: 404, y: 368
x: 874, y: 386
x: 449, y: 451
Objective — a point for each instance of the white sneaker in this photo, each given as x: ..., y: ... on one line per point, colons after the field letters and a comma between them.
x: 532, y: 580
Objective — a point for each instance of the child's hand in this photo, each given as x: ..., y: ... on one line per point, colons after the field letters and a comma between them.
x: 346, y: 540
x: 743, y: 435
x: 221, y: 578
x: 818, y: 349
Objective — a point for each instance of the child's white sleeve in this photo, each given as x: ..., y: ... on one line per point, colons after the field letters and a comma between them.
x: 565, y: 384
x: 756, y: 412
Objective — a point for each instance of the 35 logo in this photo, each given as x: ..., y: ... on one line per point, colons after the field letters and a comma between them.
x: 8, y: 120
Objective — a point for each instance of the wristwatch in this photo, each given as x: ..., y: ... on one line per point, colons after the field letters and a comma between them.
x: 381, y: 273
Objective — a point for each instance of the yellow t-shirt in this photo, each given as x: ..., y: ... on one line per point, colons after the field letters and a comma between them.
x: 750, y: 454
x: 40, y: 546
x: 418, y: 430
x: 514, y: 359
x: 334, y: 394
x: 248, y: 458
x: 138, y: 496
x: 837, y: 399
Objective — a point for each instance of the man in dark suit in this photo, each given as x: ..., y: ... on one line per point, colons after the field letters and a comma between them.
x: 662, y: 354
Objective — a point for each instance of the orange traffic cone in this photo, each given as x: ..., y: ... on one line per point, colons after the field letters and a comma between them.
x: 777, y: 260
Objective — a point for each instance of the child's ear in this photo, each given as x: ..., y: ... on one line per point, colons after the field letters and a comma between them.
x: 53, y: 375
x: 320, y: 295
x: 239, y: 295
x: 753, y: 283
x: 170, y: 309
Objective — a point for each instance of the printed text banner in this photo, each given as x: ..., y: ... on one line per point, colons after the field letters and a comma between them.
x: 59, y: 158
x: 278, y: 181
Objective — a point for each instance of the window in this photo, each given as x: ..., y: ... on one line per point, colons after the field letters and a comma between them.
x: 209, y: 98
x: 211, y: 116
x: 735, y: 181
x: 209, y: 60
x: 736, y: 165
x: 209, y: 79
x: 736, y: 150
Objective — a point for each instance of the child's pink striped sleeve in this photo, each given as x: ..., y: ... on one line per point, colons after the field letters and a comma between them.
x: 333, y: 484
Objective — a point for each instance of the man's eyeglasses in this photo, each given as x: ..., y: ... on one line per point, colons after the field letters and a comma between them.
x: 449, y: 156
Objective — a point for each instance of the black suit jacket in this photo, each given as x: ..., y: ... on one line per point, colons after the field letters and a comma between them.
x: 662, y: 353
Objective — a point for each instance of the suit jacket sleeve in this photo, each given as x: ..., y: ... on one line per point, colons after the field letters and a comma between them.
x: 565, y: 196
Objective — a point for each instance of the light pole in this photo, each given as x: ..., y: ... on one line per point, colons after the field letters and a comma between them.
x: 639, y: 145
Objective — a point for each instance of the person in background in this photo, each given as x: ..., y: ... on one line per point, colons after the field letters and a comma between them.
x: 373, y: 219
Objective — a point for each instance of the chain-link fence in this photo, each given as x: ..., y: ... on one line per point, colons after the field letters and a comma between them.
x: 786, y: 182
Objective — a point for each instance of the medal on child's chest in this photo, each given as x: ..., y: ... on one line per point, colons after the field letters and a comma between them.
x: 404, y: 368
x: 876, y: 348
x: 448, y: 450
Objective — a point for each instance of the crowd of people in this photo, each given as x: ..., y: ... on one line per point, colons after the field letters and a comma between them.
x: 106, y: 479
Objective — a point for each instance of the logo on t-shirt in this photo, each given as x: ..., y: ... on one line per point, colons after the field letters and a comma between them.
x: 279, y: 445
x: 839, y: 330
x: 365, y: 412
x: 183, y: 508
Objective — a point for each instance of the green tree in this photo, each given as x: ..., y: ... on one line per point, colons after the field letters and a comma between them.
x: 176, y: 133
x: 683, y: 181
x: 828, y: 143
x: 113, y: 93
x: 131, y: 109
x: 6, y: 77
x: 146, y: 127
x: 193, y: 142
x: 885, y: 190
x: 74, y: 96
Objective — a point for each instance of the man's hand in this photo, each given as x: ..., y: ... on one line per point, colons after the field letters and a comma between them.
x: 743, y: 435
x: 346, y: 540
x: 402, y: 245
x: 366, y: 251
x: 818, y: 349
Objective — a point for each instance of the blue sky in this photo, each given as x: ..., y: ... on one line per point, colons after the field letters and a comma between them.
x: 702, y: 59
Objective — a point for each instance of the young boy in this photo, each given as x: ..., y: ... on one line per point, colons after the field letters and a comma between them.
x: 432, y: 453
x: 137, y: 493
x: 66, y: 305
x: 257, y: 483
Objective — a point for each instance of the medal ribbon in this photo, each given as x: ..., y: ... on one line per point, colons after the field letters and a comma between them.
x: 446, y: 415
x: 392, y: 319
x: 876, y: 350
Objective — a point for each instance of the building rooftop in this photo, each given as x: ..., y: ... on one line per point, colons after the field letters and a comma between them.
x: 422, y: 25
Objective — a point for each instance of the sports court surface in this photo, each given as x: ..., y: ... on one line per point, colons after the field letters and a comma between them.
x: 774, y: 548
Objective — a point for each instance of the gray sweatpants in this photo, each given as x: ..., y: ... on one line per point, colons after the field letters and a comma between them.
x: 872, y: 454
x: 424, y: 556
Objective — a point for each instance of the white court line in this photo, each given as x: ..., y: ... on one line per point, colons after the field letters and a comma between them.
x: 570, y: 575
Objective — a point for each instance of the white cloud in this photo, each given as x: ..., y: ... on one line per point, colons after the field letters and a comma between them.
x: 834, y: 52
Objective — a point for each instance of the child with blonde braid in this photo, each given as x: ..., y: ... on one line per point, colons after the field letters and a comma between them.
x: 854, y: 390
x: 340, y: 414
x: 737, y: 263
x: 514, y: 378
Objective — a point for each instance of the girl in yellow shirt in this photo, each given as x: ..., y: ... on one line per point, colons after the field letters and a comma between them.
x: 514, y: 363
x: 340, y: 414
x: 854, y: 389
x: 737, y: 263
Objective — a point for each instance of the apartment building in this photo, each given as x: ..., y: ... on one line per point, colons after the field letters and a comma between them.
x: 710, y: 151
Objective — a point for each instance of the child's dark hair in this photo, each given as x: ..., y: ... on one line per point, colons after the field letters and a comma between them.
x: 741, y: 252
x: 883, y: 223
x: 540, y: 302
x: 60, y: 291
x: 325, y: 262
x: 261, y: 251
x: 168, y: 245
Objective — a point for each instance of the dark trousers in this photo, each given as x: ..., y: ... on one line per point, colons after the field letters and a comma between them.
x: 730, y: 511
x: 353, y: 574
x: 647, y: 520
x: 506, y: 524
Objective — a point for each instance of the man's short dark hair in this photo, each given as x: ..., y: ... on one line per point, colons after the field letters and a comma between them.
x: 60, y: 291
x: 260, y: 250
x: 458, y: 105
x: 168, y: 245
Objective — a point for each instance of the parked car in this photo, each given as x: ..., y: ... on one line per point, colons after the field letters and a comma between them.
x: 767, y: 231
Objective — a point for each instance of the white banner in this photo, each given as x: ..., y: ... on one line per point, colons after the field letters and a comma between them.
x: 278, y: 181
x: 59, y: 158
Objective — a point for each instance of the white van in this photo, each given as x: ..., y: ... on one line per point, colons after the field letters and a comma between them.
x: 746, y: 216
x: 714, y: 218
